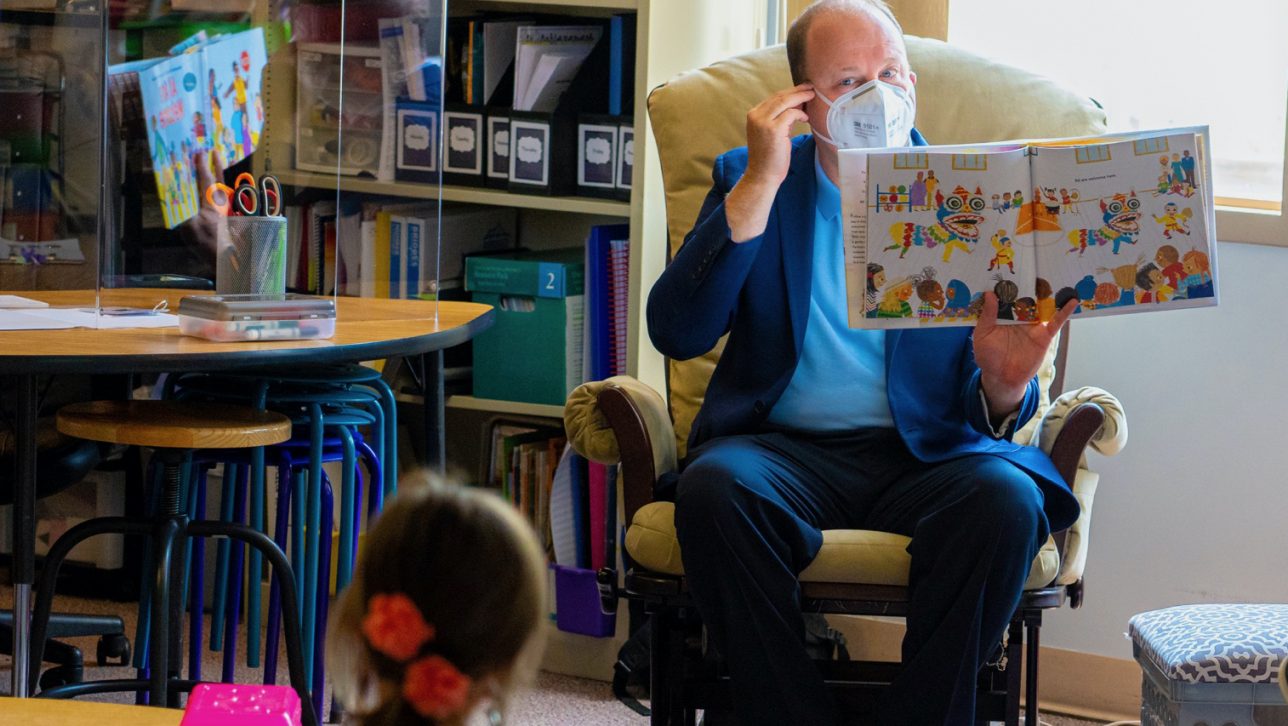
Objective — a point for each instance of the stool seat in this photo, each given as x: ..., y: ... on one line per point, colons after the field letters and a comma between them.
x: 1213, y: 643
x: 173, y: 424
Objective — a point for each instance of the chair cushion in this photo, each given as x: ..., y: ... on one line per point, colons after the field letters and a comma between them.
x: 1211, y: 643
x: 961, y: 98
x: 850, y: 556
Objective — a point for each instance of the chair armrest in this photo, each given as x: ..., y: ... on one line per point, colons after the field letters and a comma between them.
x: 1078, y: 419
x: 620, y: 420
x: 1084, y: 417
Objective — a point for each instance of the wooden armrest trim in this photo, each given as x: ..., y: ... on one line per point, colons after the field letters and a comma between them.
x: 637, y: 469
x: 1080, y: 426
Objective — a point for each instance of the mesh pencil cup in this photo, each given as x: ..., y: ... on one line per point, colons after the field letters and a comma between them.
x: 252, y: 256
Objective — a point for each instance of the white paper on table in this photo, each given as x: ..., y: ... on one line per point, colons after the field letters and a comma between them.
x: 17, y: 302
x: 57, y: 318
x: 24, y: 320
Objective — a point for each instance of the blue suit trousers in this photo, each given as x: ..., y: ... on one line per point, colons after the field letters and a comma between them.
x: 749, y: 514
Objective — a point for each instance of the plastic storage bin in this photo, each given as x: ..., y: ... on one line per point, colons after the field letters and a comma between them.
x: 228, y: 318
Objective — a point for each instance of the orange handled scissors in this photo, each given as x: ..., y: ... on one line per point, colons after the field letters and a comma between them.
x: 247, y: 198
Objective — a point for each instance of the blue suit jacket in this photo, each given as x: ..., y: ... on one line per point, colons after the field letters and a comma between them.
x: 758, y: 292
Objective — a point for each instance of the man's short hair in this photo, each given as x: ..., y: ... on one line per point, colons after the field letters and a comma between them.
x: 800, y: 28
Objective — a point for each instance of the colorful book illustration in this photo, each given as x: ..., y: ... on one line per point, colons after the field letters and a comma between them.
x: 1122, y: 223
x: 208, y: 97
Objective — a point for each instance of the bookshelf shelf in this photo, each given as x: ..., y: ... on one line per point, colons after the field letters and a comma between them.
x: 470, y: 195
x: 579, y: 5
x: 516, y: 408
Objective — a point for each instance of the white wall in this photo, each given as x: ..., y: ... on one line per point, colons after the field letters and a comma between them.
x: 1195, y: 508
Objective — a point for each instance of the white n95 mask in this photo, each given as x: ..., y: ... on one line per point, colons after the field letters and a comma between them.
x: 874, y: 115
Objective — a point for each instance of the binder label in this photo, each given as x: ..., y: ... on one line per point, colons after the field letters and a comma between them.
x: 417, y: 140
x: 463, y: 131
x: 498, y: 140
x: 625, y: 157
x: 597, y: 155
x: 530, y: 160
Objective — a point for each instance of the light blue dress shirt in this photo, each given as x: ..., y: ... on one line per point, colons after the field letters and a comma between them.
x: 840, y: 380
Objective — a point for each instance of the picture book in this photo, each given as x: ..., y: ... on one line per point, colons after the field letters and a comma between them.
x: 206, y: 97
x: 1121, y: 223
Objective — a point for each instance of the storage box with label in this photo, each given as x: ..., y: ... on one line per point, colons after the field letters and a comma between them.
x: 533, y: 352
x: 1211, y: 663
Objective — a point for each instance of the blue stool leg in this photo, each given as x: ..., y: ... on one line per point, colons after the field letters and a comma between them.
x: 144, y: 627
x: 299, y: 516
x: 348, y: 533
x: 314, y: 537
x: 196, y: 600
x: 375, y: 468
x: 256, y: 566
x: 280, y: 536
x: 188, y: 495
x: 235, y: 577
x: 221, y: 561
x: 389, y: 456
x: 323, y: 596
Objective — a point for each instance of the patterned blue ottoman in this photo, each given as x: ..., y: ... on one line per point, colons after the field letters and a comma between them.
x: 1211, y: 665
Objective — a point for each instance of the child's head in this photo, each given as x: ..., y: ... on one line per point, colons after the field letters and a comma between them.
x: 444, y: 610
x: 1195, y: 262
x: 876, y: 277
x: 1166, y: 255
x: 1042, y: 289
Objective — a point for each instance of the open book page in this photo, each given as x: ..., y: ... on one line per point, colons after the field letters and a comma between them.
x: 927, y: 230
x: 1127, y: 226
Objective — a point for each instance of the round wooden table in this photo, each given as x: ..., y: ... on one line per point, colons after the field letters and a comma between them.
x: 54, y: 712
x: 366, y: 329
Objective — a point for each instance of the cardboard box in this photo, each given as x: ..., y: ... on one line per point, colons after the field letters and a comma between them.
x: 533, y: 352
x: 99, y: 494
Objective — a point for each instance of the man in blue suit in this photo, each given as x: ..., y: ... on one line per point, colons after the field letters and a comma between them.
x: 808, y: 425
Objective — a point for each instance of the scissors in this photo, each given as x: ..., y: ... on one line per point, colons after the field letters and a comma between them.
x: 246, y: 198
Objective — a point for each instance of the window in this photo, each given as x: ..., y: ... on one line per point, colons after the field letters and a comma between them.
x: 970, y: 162
x: 1165, y: 63
x: 1091, y: 154
x: 911, y: 161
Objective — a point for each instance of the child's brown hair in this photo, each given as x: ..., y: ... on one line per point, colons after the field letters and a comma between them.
x: 473, y: 569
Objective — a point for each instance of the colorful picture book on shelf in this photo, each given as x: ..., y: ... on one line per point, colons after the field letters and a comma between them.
x: 205, y: 98
x: 1121, y: 223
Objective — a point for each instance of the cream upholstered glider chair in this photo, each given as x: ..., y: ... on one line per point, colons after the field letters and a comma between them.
x: 695, y: 117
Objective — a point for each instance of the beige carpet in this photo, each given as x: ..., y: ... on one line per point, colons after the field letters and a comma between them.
x: 556, y: 700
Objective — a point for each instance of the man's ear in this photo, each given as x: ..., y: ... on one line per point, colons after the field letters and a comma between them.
x: 912, y: 77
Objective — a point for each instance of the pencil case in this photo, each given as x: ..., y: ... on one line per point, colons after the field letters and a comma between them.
x: 231, y: 318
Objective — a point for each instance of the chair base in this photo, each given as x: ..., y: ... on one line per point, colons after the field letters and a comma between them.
x: 683, y: 679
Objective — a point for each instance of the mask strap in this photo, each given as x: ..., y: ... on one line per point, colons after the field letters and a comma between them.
x: 820, y: 135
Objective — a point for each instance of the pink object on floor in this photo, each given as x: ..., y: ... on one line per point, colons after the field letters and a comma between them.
x: 216, y: 704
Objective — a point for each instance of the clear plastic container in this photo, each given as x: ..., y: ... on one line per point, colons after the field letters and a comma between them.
x: 231, y: 318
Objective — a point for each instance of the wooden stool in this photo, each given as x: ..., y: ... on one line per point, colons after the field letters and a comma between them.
x: 173, y: 429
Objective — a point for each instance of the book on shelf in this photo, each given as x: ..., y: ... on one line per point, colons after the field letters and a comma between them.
x: 1122, y: 223
x: 522, y: 460
x: 607, y: 278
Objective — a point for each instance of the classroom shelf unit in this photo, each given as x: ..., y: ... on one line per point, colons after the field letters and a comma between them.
x: 469, y: 195
x: 671, y: 37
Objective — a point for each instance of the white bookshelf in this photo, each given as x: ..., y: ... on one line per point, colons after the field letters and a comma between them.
x: 672, y: 36
x: 470, y: 195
